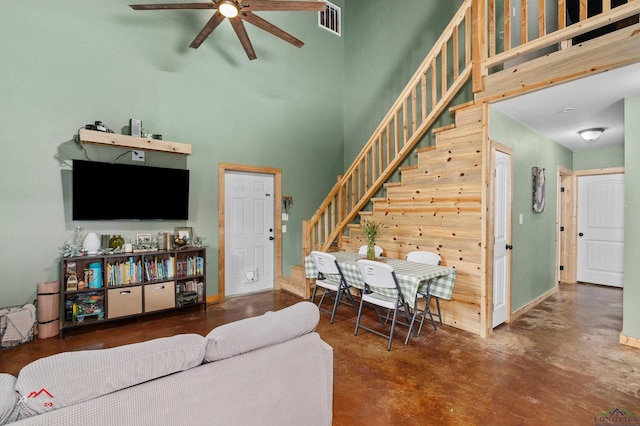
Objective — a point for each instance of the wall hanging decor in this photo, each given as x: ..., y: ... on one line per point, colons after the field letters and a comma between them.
x: 538, y: 189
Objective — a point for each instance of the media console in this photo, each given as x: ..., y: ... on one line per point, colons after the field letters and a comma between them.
x: 105, y: 288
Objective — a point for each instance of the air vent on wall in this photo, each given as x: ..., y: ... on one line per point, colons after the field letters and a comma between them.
x: 331, y: 19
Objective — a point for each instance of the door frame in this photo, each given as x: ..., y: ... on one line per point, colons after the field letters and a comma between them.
x: 571, y: 210
x: 277, y: 219
x: 567, y: 218
x: 495, y: 146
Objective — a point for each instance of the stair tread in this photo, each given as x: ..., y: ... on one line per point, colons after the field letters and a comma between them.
x: 426, y: 148
x: 443, y: 128
x: 469, y: 104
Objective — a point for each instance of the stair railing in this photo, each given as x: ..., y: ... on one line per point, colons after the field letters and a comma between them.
x: 527, y: 28
x: 444, y: 71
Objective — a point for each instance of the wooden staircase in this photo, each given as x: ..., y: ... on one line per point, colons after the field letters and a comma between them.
x: 438, y: 206
x: 441, y: 202
x: 442, y: 192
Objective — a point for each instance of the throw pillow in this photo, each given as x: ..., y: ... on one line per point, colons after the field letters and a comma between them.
x: 254, y: 333
x: 72, y: 377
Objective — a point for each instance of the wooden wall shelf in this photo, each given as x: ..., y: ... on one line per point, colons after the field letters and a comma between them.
x: 133, y: 142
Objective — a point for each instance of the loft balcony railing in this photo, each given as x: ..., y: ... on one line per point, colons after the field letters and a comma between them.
x: 482, y: 37
x: 514, y: 31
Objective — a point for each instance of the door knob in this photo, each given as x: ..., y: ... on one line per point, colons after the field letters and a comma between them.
x: 581, y: 235
x: 509, y: 247
x: 271, y: 238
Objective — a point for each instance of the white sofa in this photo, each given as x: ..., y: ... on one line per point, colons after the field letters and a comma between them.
x: 267, y: 370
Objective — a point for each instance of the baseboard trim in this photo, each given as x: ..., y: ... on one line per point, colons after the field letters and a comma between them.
x: 535, y: 302
x: 630, y: 341
x: 215, y: 298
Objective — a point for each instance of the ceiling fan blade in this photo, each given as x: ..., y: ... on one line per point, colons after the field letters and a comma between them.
x: 241, y: 31
x: 282, y: 5
x: 171, y: 6
x: 207, y: 29
x: 270, y: 28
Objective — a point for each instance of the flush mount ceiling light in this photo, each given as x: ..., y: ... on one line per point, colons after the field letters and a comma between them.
x: 591, y: 135
x: 238, y: 11
x: 228, y: 9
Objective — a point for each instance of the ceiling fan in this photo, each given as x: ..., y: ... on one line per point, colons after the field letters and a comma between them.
x: 238, y: 11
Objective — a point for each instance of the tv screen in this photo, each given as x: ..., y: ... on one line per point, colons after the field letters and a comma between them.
x: 104, y: 191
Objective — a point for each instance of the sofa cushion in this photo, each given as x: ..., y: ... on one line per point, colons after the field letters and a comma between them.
x: 257, y: 332
x: 8, y: 399
x: 72, y: 377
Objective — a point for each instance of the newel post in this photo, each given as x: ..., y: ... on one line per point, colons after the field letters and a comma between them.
x: 479, y: 43
x: 340, y: 208
x: 306, y: 239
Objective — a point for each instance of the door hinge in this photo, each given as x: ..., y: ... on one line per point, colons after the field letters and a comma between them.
x: 562, y: 189
x: 562, y: 229
x: 561, y: 267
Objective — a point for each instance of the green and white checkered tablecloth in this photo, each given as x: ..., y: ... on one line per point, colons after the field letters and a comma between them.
x: 411, y: 275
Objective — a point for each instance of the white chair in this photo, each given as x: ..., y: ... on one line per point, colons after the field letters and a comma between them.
x: 377, y: 250
x: 376, y: 276
x: 428, y: 258
x: 331, y: 279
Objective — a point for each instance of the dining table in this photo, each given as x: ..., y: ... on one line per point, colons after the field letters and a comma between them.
x: 413, y: 277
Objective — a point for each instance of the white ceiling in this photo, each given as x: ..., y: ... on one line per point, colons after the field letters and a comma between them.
x: 597, y: 101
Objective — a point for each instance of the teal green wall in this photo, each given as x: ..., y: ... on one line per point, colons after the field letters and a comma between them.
x: 65, y: 64
x: 385, y: 44
x: 630, y: 311
x: 599, y: 158
x: 533, y: 263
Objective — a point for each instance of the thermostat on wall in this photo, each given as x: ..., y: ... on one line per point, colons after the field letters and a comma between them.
x: 135, y: 127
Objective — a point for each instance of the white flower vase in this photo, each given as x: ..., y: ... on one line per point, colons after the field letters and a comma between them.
x: 91, y: 243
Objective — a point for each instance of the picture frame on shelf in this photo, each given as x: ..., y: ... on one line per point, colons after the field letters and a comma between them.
x: 143, y: 238
x: 183, y: 236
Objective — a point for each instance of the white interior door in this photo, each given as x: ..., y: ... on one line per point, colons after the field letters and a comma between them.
x: 501, y: 236
x: 601, y: 229
x: 249, y: 232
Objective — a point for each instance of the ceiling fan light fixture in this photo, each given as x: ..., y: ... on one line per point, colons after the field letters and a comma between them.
x: 591, y: 135
x: 228, y: 8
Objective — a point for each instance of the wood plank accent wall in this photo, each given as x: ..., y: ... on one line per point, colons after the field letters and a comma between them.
x: 438, y: 207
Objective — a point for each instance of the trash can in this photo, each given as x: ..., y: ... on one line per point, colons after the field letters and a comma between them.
x: 48, y: 309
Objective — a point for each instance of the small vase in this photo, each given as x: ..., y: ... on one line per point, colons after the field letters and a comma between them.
x: 77, y: 237
x: 371, y: 250
x: 116, y: 241
x: 91, y: 243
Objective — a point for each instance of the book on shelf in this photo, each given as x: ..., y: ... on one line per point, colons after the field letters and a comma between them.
x: 190, y: 266
x: 191, y: 285
x: 124, y: 272
x: 159, y: 269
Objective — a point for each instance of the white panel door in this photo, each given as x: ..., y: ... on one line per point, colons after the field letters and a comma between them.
x: 501, y: 236
x: 249, y: 232
x: 601, y: 229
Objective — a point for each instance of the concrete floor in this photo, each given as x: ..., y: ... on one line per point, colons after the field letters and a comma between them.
x: 560, y: 363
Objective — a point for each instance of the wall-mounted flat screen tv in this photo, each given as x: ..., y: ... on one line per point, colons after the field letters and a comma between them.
x: 105, y: 191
